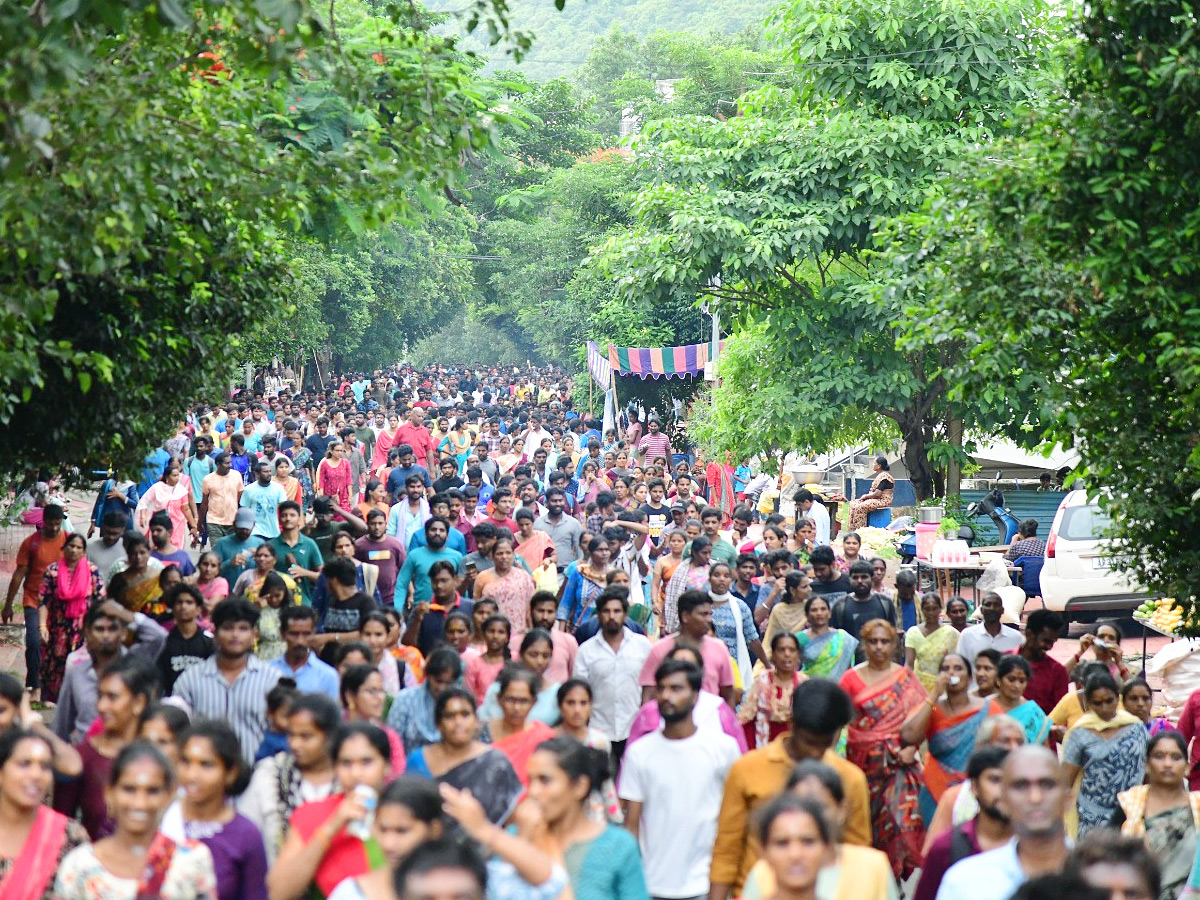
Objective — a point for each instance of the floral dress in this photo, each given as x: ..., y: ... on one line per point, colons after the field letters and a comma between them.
x: 928, y: 652
x: 188, y: 877
x: 65, y: 623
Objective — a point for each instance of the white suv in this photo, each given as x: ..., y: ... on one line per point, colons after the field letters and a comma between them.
x: 1077, y: 578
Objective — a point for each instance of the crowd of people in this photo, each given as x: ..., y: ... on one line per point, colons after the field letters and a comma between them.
x: 436, y: 634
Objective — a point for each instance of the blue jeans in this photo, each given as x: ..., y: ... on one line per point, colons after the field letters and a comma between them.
x: 33, y: 650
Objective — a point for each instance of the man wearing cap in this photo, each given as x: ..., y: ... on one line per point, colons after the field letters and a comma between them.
x: 34, y: 555
x: 236, y: 550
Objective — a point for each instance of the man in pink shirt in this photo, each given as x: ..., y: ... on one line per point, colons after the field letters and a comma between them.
x: 695, y: 622
x: 543, y: 607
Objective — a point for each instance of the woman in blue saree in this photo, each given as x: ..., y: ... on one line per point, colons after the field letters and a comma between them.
x: 949, y: 720
x: 462, y: 761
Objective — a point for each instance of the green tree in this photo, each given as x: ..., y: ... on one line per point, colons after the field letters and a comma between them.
x: 155, y: 158
x: 563, y: 34
x: 705, y: 74
x: 1071, y: 256
x: 772, y: 214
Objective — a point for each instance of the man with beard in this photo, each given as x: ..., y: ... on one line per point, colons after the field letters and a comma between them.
x: 861, y: 605
x: 415, y: 571
x: 611, y: 662
x: 164, y: 550
x: 1035, y: 796
x: 674, y: 776
x: 988, y: 830
x: 232, y: 684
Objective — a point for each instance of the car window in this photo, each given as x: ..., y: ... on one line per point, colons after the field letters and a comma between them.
x: 1083, y: 523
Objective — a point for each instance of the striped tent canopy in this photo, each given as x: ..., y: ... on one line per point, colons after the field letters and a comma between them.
x: 659, y: 362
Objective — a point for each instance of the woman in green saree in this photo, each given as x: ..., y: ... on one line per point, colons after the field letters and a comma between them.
x: 827, y: 652
x: 1012, y: 677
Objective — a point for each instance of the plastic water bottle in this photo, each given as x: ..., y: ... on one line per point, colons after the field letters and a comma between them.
x: 361, y: 828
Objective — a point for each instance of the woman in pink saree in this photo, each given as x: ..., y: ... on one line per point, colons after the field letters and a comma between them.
x: 884, y: 695
x: 174, y: 495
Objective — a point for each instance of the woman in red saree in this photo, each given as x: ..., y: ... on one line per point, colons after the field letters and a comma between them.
x: 514, y: 734
x: 319, y: 852
x: 884, y: 696
x: 39, y: 837
x: 719, y: 479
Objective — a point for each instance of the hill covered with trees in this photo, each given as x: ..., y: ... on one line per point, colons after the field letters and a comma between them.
x: 562, y: 40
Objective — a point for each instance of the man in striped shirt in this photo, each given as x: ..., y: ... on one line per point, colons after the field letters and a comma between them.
x: 654, y: 444
x: 232, y: 684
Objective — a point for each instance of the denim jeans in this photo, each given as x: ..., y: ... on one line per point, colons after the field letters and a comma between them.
x: 33, y: 650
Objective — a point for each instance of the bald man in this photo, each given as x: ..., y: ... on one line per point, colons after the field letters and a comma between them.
x: 1035, y: 798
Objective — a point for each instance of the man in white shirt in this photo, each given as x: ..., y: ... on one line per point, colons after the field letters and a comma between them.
x: 611, y: 662
x: 807, y: 506
x: 673, y: 781
x: 990, y: 633
x: 1035, y: 797
x: 535, y: 434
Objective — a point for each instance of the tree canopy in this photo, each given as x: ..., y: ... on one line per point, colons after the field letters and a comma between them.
x: 773, y: 214
x: 1065, y: 263
x: 155, y: 159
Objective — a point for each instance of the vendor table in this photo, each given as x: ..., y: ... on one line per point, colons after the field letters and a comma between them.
x: 1146, y: 629
x: 947, y: 576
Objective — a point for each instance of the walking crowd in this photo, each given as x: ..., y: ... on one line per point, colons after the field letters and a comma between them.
x: 434, y: 634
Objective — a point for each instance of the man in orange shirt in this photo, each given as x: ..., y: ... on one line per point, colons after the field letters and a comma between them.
x: 36, y: 553
x: 820, y: 710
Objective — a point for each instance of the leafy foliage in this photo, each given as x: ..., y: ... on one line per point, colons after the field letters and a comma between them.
x: 564, y: 33
x: 705, y: 74
x: 153, y: 158
x: 467, y: 341
x: 1071, y: 256
x: 773, y: 213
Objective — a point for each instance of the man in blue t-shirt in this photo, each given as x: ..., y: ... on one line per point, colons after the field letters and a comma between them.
x: 406, y: 465
x: 236, y: 551
x: 415, y: 570
x: 263, y: 497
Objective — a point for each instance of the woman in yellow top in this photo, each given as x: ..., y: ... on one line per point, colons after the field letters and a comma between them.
x: 925, y: 645
x: 847, y: 871
x: 1072, y: 706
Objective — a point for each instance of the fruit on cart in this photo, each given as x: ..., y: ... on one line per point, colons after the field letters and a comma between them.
x: 1145, y: 610
x: 1167, y: 616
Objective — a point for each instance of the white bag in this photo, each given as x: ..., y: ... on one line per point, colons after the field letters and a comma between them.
x: 1178, y: 664
x: 995, y: 575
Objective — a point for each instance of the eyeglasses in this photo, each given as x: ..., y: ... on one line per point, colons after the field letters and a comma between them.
x: 517, y: 701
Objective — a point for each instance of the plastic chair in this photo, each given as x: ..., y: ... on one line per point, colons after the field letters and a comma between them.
x: 1031, y: 574
x: 879, y: 518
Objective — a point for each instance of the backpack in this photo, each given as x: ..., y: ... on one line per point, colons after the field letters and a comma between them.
x: 960, y: 845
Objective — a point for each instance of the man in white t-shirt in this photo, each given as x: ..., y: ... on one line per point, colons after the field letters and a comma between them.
x: 808, y: 506
x: 674, y: 780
